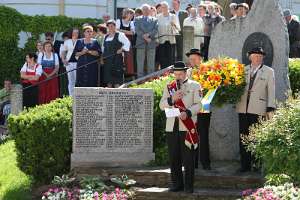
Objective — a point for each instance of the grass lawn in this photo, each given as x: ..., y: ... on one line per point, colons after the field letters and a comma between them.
x: 14, y: 184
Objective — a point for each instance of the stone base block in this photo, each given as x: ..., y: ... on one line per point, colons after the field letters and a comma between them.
x: 110, y: 159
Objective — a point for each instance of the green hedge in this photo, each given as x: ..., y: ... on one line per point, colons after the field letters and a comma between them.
x: 294, y: 75
x: 12, y: 23
x: 277, y: 141
x: 43, y: 139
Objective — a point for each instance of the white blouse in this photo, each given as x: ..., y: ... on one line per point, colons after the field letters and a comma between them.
x: 40, y: 56
x: 38, y: 70
x: 122, y: 38
x: 118, y: 25
x: 68, y: 47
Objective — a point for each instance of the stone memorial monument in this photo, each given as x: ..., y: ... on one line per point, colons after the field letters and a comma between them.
x: 263, y: 26
x: 112, y: 127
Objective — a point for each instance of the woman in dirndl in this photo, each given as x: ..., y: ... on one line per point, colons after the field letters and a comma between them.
x: 115, y: 43
x: 126, y: 25
x: 30, y: 75
x: 48, y: 89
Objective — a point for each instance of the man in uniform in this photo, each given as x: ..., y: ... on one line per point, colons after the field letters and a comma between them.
x: 203, y: 119
x: 258, y: 99
x: 182, y: 100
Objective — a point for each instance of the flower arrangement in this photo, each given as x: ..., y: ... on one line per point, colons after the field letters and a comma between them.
x: 224, y: 74
x: 90, y: 188
x: 286, y: 191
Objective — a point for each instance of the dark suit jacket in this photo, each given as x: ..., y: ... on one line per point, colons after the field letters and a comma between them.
x: 293, y: 28
x: 56, y: 47
x: 294, y: 32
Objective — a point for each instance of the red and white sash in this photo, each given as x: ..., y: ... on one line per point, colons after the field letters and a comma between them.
x: 191, y: 137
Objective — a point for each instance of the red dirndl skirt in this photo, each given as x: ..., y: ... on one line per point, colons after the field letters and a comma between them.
x: 128, y: 59
x: 48, y: 90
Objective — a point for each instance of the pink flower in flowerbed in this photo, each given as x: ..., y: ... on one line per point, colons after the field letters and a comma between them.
x: 286, y: 191
x: 115, y: 195
x: 88, y: 188
x: 260, y: 194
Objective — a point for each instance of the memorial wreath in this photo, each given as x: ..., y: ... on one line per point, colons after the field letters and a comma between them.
x: 225, y: 75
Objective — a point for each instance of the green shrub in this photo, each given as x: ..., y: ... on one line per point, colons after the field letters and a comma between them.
x: 11, y: 57
x: 43, y: 139
x: 294, y: 75
x: 277, y: 141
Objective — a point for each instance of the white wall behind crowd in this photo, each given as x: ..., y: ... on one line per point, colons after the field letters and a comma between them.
x: 78, y: 8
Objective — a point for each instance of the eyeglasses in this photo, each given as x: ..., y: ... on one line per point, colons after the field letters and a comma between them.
x: 89, y: 31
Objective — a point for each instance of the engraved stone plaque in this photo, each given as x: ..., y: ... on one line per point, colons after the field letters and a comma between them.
x: 112, y: 127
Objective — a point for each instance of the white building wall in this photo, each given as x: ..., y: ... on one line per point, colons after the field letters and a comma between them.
x: 96, y: 8
x: 293, y: 5
x: 79, y: 8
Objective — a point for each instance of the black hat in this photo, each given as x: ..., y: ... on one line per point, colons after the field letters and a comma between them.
x: 194, y: 51
x: 257, y: 50
x: 179, y: 66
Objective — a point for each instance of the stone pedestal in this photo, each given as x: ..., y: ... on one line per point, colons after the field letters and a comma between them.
x: 16, y: 99
x: 112, y: 127
x: 188, y: 40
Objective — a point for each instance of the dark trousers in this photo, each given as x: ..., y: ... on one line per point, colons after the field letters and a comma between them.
x: 166, y: 54
x: 179, y: 47
x: 30, y: 95
x: 203, y: 123
x: 205, y: 48
x: 180, y: 155
x: 245, y: 121
x: 63, y: 82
